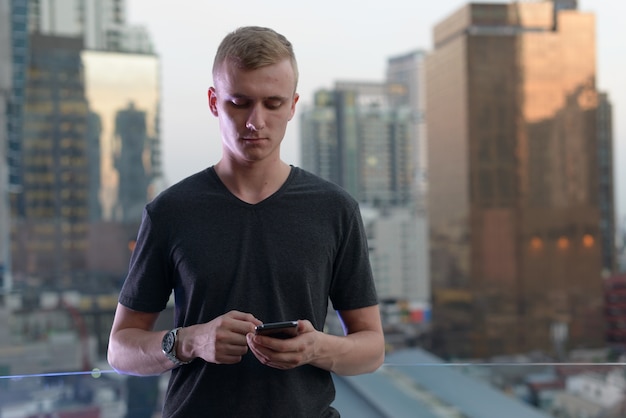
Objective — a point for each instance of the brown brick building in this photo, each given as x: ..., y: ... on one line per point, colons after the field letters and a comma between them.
x: 513, y: 180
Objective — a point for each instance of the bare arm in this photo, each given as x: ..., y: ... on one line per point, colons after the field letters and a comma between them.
x: 134, y: 348
x: 361, y: 350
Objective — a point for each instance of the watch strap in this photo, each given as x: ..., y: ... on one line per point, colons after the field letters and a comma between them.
x: 172, y: 353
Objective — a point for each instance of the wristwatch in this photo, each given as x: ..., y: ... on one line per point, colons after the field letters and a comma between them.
x: 168, y: 345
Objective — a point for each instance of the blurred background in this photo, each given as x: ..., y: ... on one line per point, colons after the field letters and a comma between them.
x: 485, y: 142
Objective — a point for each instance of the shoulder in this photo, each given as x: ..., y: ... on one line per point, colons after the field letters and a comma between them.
x: 181, y: 194
x: 308, y: 183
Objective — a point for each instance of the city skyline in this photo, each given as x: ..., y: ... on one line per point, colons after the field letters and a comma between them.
x: 186, y: 40
x: 523, y: 322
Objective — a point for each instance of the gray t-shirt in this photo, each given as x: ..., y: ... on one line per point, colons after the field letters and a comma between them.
x: 280, y: 259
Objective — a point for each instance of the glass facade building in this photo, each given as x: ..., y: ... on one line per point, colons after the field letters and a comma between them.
x: 19, y: 62
x: 100, y: 23
x: 5, y: 96
x: 608, y: 225
x: 124, y: 100
x: 51, y: 235
x: 361, y: 136
x: 355, y: 138
x: 90, y: 154
x: 513, y: 180
x: 407, y: 88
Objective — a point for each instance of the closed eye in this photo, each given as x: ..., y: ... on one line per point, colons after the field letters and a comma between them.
x: 273, y: 104
x: 240, y: 103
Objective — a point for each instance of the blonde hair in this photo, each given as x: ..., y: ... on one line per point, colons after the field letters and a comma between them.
x: 253, y: 47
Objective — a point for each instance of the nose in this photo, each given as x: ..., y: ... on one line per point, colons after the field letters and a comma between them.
x: 256, y: 119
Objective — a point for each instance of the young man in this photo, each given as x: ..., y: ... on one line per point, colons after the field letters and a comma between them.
x: 247, y: 241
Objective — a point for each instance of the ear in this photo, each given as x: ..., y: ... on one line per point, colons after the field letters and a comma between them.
x: 212, y: 95
x: 296, y: 97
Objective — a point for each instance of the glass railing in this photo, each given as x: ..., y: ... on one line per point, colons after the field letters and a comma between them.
x: 411, y: 383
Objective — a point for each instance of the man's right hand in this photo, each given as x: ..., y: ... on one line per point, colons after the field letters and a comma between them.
x: 221, y: 340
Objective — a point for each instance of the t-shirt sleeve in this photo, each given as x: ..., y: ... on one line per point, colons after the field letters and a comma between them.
x: 148, y: 285
x: 352, y: 285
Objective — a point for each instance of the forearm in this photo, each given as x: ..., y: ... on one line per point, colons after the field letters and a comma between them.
x: 357, y: 353
x: 138, y: 352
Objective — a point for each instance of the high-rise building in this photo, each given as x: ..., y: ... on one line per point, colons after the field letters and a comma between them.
x: 354, y: 138
x: 407, y: 88
x: 124, y: 102
x: 615, y: 301
x: 513, y: 180
x: 398, y: 248
x: 358, y: 138
x: 109, y: 40
x: 19, y: 61
x: 608, y: 227
x: 101, y: 23
x: 60, y: 217
x: 13, y: 61
x: 50, y: 239
x: 319, y: 140
x: 5, y: 96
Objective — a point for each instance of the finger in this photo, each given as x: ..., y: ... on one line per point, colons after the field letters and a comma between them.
x: 261, y: 352
x: 263, y: 359
x: 242, y: 328
x: 232, y: 353
x: 277, y: 345
x: 305, y: 325
x: 237, y: 350
x: 225, y: 359
x: 234, y: 337
x: 243, y: 316
x: 259, y: 355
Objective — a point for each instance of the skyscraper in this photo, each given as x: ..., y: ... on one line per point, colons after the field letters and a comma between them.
x: 76, y: 154
x: 118, y: 49
x: 513, y: 179
x: 608, y: 227
x: 19, y: 62
x: 5, y: 95
x: 124, y: 101
x: 407, y: 87
x: 100, y: 23
x: 360, y: 136
x: 355, y: 138
x: 50, y: 239
x: 318, y: 137
x: 13, y: 62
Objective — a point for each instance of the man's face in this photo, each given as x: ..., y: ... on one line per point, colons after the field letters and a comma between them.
x: 253, y: 108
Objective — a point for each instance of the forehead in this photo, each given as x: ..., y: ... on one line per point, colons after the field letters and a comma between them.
x: 269, y: 80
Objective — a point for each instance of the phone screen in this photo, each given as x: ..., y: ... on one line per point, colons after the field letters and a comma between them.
x: 283, y: 330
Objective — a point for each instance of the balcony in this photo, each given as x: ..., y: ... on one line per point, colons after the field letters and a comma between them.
x: 411, y: 383
x: 63, y: 373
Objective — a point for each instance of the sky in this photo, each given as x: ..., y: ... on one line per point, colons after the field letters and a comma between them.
x: 334, y: 40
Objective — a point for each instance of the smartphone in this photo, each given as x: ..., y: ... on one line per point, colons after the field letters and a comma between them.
x: 283, y: 330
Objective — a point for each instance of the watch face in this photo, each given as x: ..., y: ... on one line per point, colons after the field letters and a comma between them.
x: 168, y: 342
